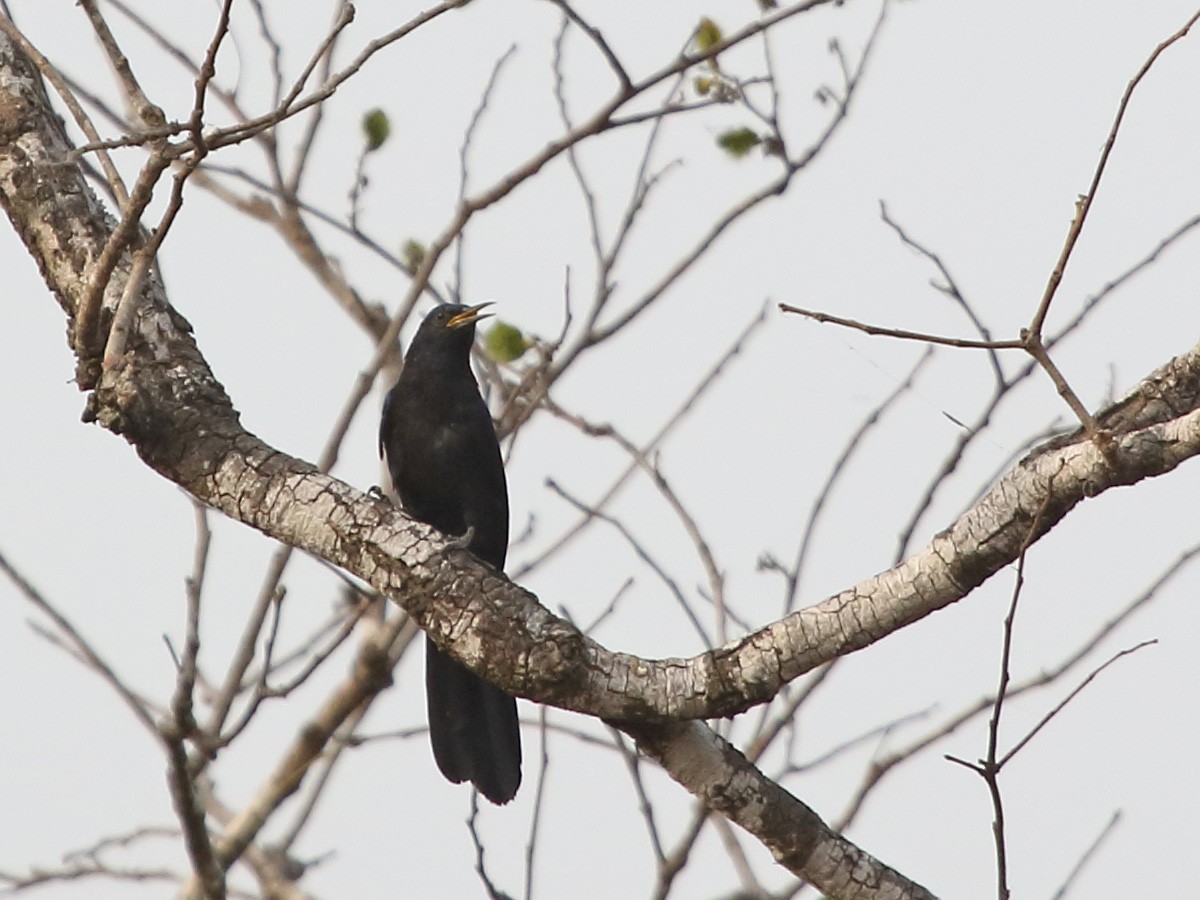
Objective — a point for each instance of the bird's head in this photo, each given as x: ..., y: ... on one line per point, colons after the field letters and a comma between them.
x: 450, y: 325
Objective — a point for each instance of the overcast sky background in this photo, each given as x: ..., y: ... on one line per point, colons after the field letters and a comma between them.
x: 977, y: 124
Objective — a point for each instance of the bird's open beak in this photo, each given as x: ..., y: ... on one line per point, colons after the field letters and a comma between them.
x: 468, y: 316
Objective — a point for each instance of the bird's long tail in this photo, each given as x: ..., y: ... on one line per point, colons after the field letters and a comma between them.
x: 473, y: 727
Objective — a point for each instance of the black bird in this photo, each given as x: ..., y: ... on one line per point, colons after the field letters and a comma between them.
x: 440, y: 447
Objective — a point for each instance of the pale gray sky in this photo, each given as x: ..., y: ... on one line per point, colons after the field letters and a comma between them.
x: 978, y: 125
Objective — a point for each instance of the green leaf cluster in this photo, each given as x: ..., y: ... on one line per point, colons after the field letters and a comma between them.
x: 376, y: 129
x: 737, y: 142
x: 505, y: 343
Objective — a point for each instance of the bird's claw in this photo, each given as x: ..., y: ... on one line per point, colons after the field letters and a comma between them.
x: 463, y: 541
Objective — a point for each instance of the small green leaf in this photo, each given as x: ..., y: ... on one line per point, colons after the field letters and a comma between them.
x: 376, y: 128
x: 412, y: 254
x: 708, y: 34
x: 737, y: 142
x: 703, y: 85
x: 505, y: 343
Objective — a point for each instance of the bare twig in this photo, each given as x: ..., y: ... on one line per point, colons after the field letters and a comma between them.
x: 704, y: 552
x: 751, y: 888
x: 539, y: 798
x: 123, y: 319
x: 87, y: 319
x: 1034, y: 346
x: 464, y: 169
x: 633, y: 765
x: 901, y: 333
x: 855, y: 442
x: 268, y: 36
x: 370, y: 675
x: 399, y: 637
x: 80, y: 645
x: 1085, y: 200
x: 569, y: 14
x: 1045, y: 720
x: 947, y: 286
x: 1087, y: 855
x: 640, y: 550
x: 688, y: 404
x: 182, y: 725
x: 489, y: 886
x: 148, y: 113
x: 989, y: 767
x: 1030, y: 338
x: 881, y: 767
x: 290, y: 186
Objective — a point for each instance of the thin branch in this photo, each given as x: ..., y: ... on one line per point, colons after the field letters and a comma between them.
x: 128, y: 230
x: 268, y: 36
x: 751, y: 888
x: 965, y: 440
x: 399, y: 637
x: 875, y: 733
x: 855, y: 442
x: 539, y: 798
x: 989, y: 768
x: 489, y: 886
x: 323, y: 57
x: 1085, y: 200
x: 182, y: 725
x: 642, y: 554
x: 123, y: 319
x: 773, y: 188
x: 712, y: 571
x: 79, y: 644
x: 881, y: 767
x: 633, y: 764
x: 122, y: 841
x: 1087, y: 855
x: 689, y: 403
x: 369, y: 676
x: 673, y: 864
x: 13, y: 883
x: 903, y: 334
x: 948, y: 286
x: 564, y: 115
x: 464, y: 169
x: 770, y: 726
x: 1045, y: 720
x: 247, y: 645
x: 624, y: 83
x: 1036, y: 349
x: 148, y: 113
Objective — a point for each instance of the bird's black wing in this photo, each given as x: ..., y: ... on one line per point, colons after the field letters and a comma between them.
x: 385, y: 424
x: 449, y: 474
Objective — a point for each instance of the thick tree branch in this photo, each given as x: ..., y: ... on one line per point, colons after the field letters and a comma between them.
x: 712, y: 769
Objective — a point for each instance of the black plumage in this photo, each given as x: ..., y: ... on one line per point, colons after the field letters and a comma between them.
x: 440, y: 447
